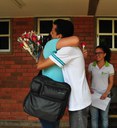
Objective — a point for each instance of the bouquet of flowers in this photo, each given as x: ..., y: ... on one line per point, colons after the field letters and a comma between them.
x: 32, y: 43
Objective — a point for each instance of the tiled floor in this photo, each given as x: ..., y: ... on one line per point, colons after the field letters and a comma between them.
x: 24, y: 124
x: 17, y: 127
x: 27, y: 127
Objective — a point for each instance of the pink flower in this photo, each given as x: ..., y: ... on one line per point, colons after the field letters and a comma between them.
x: 83, y: 45
x: 25, y: 35
x: 21, y: 45
x: 39, y: 42
x: 34, y: 38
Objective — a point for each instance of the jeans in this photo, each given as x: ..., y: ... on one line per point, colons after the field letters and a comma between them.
x: 79, y: 119
x: 47, y: 124
x: 97, y: 114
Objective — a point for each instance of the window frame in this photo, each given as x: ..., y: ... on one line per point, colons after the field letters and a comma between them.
x: 6, y: 35
x: 113, y: 34
x: 46, y: 19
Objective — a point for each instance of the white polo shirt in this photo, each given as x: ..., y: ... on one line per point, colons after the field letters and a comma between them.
x: 100, y: 76
x: 71, y: 60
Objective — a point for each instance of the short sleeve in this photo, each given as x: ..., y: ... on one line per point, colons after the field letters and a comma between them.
x: 63, y: 56
x: 111, y: 70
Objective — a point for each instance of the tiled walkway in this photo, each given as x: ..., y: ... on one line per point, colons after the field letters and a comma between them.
x: 26, y: 124
x: 29, y: 124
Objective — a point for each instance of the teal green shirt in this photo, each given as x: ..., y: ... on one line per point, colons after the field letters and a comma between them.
x: 54, y: 72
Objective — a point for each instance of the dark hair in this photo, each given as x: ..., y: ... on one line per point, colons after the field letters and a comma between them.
x: 64, y: 27
x: 107, y: 51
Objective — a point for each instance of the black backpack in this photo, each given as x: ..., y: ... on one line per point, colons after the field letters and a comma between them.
x: 47, y: 99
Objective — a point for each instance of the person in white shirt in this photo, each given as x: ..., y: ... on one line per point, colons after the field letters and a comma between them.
x: 100, y: 78
x: 71, y: 60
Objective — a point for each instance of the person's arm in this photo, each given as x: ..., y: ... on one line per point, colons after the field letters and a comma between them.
x: 110, y: 85
x: 43, y: 63
x: 62, y: 53
x: 68, y: 41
